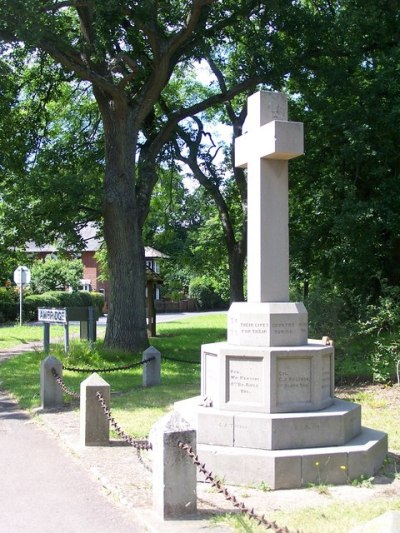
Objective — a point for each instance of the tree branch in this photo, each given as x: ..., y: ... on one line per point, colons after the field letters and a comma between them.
x: 210, y: 185
x: 72, y: 61
x: 55, y: 6
x: 191, y: 25
x: 219, y: 98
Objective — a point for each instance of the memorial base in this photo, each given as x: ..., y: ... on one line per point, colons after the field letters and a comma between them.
x: 267, y: 414
x: 296, y: 468
x: 288, y: 450
x: 268, y: 379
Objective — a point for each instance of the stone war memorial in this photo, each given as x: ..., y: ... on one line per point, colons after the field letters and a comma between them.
x: 267, y: 412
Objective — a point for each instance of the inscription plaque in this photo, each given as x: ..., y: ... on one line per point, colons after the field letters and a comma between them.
x: 244, y: 380
x: 267, y: 324
x: 294, y: 380
x: 326, y: 383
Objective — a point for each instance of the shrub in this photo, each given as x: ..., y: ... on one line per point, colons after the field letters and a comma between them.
x: 8, y: 295
x: 8, y: 311
x: 384, y: 359
x: 202, y: 290
x: 56, y: 274
x: 96, y: 299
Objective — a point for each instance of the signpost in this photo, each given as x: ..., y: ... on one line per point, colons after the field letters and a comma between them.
x: 22, y: 277
x: 63, y: 315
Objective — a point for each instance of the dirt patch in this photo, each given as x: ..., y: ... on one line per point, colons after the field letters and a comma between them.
x: 388, y: 393
x: 21, y: 348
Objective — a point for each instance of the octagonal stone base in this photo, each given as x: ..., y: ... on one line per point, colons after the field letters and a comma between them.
x: 268, y: 379
x: 333, y: 426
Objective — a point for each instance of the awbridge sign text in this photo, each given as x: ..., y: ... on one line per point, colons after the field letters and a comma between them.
x: 52, y: 316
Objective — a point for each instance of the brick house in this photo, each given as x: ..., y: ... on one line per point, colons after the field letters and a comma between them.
x: 91, y: 267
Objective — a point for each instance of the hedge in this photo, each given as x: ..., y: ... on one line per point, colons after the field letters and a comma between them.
x: 9, y: 311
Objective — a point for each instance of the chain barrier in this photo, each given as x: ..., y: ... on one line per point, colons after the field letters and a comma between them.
x: 180, y: 360
x: 145, y: 444
x: 261, y: 520
x: 63, y: 385
x: 140, y: 444
x: 109, y: 369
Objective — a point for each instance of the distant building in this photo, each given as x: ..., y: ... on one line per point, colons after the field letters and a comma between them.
x: 91, y: 267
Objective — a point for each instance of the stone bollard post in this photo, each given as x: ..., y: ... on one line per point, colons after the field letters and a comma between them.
x: 94, y: 425
x: 51, y: 394
x: 174, y: 474
x: 152, y: 369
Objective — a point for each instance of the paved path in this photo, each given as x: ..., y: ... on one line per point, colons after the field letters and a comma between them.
x: 49, y: 483
x: 42, y: 489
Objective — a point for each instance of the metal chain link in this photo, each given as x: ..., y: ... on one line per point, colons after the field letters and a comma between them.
x: 109, y: 369
x: 261, y: 520
x: 180, y: 360
x: 63, y: 385
x: 140, y: 444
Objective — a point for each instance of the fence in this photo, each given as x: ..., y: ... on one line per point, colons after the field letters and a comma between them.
x: 183, y: 306
x: 171, y: 440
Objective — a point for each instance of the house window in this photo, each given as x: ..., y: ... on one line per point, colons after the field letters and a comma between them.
x: 86, y: 285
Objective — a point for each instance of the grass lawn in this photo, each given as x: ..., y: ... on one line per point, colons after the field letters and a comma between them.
x: 12, y: 336
x: 136, y: 409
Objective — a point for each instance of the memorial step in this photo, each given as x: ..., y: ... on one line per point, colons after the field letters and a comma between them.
x: 296, y: 468
x: 333, y: 426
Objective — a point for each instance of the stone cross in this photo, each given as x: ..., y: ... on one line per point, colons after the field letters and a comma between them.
x: 265, y: 150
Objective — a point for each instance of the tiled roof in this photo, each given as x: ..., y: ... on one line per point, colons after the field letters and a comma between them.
x: 93, y: 242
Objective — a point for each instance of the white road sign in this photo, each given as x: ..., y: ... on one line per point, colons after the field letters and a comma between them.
x: 53, y: 316
x: 22, y: 275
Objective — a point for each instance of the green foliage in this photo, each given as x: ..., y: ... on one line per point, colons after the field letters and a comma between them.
x: 54, y: 161
x: 381, y: 323
x: 62, y: 299
x: 264, y: 487
x: 327, y: 311
x: 56, y: 274
x: 95, y: 299
x: 363, y: 482
x: 8, y: 311
x: 345, y: 191
x: 203, y: 290
x: 384, y: 359
x: 8, y: 294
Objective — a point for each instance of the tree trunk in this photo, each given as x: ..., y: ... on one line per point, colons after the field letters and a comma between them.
x: 126, y: 324
x: 236, y: 259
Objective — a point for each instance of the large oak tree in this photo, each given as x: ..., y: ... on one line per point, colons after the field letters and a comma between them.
x: 128, y: 51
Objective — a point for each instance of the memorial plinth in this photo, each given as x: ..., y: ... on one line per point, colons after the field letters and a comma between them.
x: 267, y: 411
x: 268, y: 380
